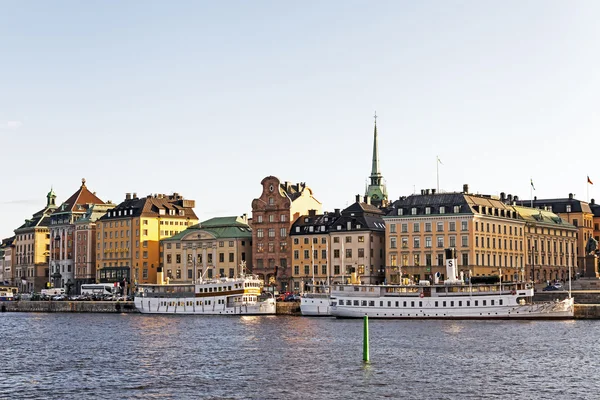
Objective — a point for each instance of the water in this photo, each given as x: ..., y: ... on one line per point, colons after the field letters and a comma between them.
x: 100, y: 356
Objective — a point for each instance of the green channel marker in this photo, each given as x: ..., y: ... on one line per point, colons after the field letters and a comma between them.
x: 366, y: 340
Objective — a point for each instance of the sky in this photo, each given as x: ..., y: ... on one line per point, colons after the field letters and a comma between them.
x: 207, y: 98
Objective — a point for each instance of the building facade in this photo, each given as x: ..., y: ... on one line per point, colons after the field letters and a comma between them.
x: 273, y: 214
x: 310, y: 250
x: 63, y: 234
x: 128, y: 236
x: 32, y: 249
x: 576, y: 212
x: 216, y: 248
x: 551, y: 245
x: 7, y: 261
x: 487, y: 234
x: 85, y: 244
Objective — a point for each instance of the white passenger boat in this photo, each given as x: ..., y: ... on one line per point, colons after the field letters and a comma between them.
x: 225, y: 296
x: 316, y: 303
x: 452, y: 299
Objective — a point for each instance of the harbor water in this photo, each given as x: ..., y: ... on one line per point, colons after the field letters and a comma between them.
x: 132, y: 356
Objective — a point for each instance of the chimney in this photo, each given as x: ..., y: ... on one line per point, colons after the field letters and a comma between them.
x: 509, y: 198
x: 534, y: 198
x: 127, y: 196
x: 593, y: 202
x: 422, y: 191
x: 516, y: 198
x: 502, y: 196
x: 368, y: 199
x: 312, y: 213
x: 570, y: 196
x: 427, y: 192
x: 466, y: 188
x: 135, y: 195
x: 432, y: 191
x: 358, y: 198
x: 336, y: 212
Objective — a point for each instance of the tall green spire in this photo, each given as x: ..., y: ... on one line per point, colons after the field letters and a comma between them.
x: 376, y: 189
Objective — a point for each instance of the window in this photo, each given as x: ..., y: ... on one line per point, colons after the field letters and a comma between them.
x: 427, y: 226
x: 440, y: 227
x: 282, y: 218
x: 392, y: 228
x: 361, y: 239
x: 442, y: 210
x: 361, y: 253
x: 440, y: 241
x: 260, y: 233
x: 306, y: 254
x: 428, y: 242
x: 393, y: 242
x: 404, y: 228
x: 404, y: 242
x: 177, y: 258
x: 336, y: 239
x: 271, y: 201
x: 296, y: 270
x: 221, y: 257
x: 348, y: 239
x: 259, y: 219
x: 464, y: 226
x: 416, y: 227
x: 231, y: 257
x: 452, y: 241
x: 465, y: 241
x: 145, y: 232
x: 452, y: 226
x: 416, y: 242
x: 283, y: 232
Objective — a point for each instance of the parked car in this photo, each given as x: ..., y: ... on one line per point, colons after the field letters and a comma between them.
x: 558, y: 285
x: 550, y: 287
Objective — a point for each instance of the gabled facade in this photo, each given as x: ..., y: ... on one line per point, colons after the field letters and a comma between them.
x: 62, y: 236
x: 32, y: 249
x: 128, y: 236
x: 273, y: 214
x: 215, y: 248
x: 85, y: 244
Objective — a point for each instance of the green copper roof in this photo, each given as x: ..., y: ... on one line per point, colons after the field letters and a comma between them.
x: 536, y: 215
x: 220, y: 228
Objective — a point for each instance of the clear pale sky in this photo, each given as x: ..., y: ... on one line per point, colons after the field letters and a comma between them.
x: 207, y: 98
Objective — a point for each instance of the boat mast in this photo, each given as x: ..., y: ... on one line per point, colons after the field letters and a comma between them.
x: 312, y: 257
x: 327, y: 258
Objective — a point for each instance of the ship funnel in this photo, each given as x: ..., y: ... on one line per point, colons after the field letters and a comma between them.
x: 160, y: 276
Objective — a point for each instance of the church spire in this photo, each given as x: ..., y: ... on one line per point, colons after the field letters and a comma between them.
x: 376, y: 189
x: 375, y: 166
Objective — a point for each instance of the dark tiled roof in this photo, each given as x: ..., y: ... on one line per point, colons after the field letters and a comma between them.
x: 40, y: 218
x: 304, y: 223
x: 558, y: 205
x: 362, y: 208
x: 149, y: 206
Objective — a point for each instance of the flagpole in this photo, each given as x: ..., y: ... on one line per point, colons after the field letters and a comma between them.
x: 587, y: 186
x: 531, y: 192
x: 437, y: 169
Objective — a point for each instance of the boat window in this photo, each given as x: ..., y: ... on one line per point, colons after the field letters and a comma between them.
x: 492, y: 302
x: 420, y: 304
x: 341, y: 302
x: 389, y: 303
x: 476, y: 303
x: 484, y: 302
x: 460, y: 303
x: 364, y: 303
x: 443, y: 304
x: 500, y: 301
x: 355, y: 302
x: 468, y: 303
x: 397, y: 304
x: 372, y: 303
x: 436, y: 303
x: 412, y: 303
x: 404, y: 305
x: 451, y: 304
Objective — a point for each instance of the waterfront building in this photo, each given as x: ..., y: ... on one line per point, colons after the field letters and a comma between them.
x: 376, y: 190
x: 85, y: 244
x: 128, y: 236
x: 310, y: 249
x: 550, y: 243
x: 32, y: 249
x: 8, y: 261
x: 487, y: 233
x: 595, y: 208
x: 358, y: 243
x: 215, y: 248
x: 62, y: 236
x: 273, y: 214
x: 576, y: 212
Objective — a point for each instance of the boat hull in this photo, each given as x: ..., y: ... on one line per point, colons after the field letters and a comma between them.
x: 550, y: 310
x: 190, y: 306
x: 315, y: 307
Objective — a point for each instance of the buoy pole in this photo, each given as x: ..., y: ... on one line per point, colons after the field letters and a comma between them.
x: 366, y: 339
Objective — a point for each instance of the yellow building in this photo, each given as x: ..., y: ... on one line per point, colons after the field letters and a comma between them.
x: 32, y: 249
x: 551, y: 245
x: 487, y: 234
x: 128, y: 236
x: 215, y: 248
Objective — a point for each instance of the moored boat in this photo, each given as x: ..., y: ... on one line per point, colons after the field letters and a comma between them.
x: 224, y: 296
x: 316, y: 304
x: 452, y: 299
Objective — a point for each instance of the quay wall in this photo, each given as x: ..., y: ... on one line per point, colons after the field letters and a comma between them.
x: 288, y: 308
x: 69, y: 306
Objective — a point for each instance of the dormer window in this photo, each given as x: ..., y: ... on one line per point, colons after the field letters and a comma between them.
x: 401, y: 211
x: 442, y: 210
x: 339, y: 227
x: 161, y: 211
x: 310, y: 228
x: 568, y: 208
x: 306, y: 219
x: 427, y: 210
x: 297, y: 229
x: 413, y: 211
x: 271, y: 201
x: 181, y: 213
x: 456, y: 209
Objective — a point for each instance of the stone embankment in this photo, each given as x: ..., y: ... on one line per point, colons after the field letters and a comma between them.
x: 587, y: 302
x: 69, y: 306
x: 283, y: 308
